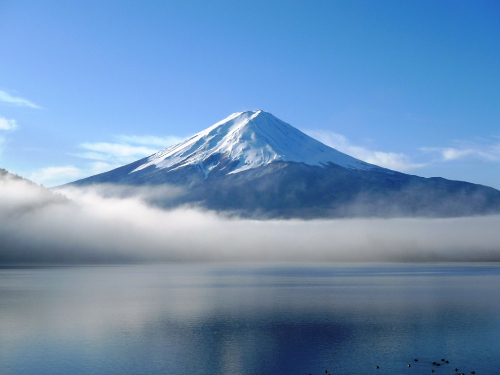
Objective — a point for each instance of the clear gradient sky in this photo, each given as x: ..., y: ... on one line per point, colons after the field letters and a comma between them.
x: 86, y: 86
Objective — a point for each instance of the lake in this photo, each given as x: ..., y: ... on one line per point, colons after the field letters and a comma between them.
x: 250, y: 319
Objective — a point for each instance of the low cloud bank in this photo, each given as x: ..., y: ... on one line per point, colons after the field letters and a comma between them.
x: 109, y: 225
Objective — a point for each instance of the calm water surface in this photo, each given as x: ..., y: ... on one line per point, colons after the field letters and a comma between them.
x: 250, y: 319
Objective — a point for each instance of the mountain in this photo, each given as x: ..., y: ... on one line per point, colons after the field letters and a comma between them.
x: 253, y: 164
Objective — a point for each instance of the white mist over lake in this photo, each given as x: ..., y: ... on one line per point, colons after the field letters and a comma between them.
x: 113, y: 225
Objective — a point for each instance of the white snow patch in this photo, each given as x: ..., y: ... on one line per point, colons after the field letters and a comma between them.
x: 252, y: 139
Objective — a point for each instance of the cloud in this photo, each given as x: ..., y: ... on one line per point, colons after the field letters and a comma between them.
x: 395, y: 161
x: 6, y: 124
x: 453, y: 154
x: 58, y: 175
x: 115, y: 225
x: 14, y: 100
x: 51, y: 174
x: 114, y: 152
x: 150, y: 140
x: 127, y: 150
x: 486, y: 152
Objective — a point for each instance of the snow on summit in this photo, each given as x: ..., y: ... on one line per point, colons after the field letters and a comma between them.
x: 247, y: 140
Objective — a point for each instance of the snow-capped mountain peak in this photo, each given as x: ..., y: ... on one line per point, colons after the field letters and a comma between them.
x: 247, y: 140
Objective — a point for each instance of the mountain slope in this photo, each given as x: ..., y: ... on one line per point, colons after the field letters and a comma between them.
x: 256, y: 165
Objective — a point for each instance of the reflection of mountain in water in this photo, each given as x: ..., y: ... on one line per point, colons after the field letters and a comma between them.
x: 209, y: 319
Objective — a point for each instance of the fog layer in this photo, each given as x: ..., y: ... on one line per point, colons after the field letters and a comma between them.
x: 108, y: 225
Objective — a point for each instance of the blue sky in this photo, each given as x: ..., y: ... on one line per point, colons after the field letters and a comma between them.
x: 411, y: 85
